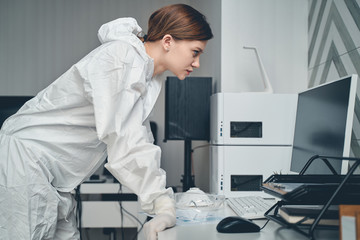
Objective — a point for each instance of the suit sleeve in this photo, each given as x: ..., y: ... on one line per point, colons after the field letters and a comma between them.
x: 114, y: 80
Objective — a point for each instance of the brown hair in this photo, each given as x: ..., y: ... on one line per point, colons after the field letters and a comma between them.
x: 181, y: 21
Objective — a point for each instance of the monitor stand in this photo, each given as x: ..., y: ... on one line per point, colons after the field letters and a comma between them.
x: 188, y: 178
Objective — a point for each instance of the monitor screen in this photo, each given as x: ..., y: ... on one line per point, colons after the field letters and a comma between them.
x: 10, y: 105
x: 323, y: 124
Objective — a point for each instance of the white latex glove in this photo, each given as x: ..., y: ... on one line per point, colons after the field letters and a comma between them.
x: 164, y: 208
x: 157, y: 224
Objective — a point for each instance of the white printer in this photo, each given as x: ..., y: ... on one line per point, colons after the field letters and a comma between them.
x: 251, y: 139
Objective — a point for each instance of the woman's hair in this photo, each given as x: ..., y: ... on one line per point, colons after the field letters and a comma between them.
x: 181, y: 21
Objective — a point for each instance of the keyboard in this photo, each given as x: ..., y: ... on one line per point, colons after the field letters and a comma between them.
x: 250, y: 207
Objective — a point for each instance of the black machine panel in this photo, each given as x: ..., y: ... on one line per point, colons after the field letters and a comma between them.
x: 187, y: 108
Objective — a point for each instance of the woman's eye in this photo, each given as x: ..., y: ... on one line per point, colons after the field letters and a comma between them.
x: 196, y: 53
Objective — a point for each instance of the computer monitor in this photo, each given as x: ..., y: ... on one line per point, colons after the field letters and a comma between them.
x: 10, y: 105
x: 323, y: 126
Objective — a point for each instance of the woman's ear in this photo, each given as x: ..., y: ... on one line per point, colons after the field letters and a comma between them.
x: 167, y: 41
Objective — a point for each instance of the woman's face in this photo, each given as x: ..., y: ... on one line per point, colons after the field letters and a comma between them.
x: 183, y: 56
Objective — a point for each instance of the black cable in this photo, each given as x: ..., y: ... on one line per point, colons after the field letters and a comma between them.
x: 122, y: 210
x: 121, y: 214
x: 138, y: 231
x: 265, y: 224
x: 201, y: 146
x: 78, y: 208
x: 135, y: 218
x: 192, y: 163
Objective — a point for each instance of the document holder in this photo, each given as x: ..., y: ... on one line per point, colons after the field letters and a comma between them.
x: 318, y: 189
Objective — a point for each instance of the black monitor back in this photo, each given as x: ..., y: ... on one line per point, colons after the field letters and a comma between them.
x: 321, y: 125
x: 187, y: 108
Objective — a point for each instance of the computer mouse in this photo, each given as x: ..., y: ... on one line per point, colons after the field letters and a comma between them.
x: 236, y: 224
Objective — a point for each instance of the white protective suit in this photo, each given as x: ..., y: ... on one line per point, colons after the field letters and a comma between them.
x: 99, y: 107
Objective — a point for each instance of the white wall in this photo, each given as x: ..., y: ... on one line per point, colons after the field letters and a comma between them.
x: 278, y: 29
x: 41, y: 39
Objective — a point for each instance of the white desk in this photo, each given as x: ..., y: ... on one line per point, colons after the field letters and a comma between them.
x: 272, y: 231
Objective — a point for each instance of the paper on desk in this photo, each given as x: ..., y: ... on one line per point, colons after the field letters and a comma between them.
x: 193, y: 216
x: 348, y: 225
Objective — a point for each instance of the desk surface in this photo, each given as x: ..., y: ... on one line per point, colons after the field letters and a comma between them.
x: 272, y: 231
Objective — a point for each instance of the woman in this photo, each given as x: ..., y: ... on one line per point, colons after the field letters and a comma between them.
x: 99, y: 108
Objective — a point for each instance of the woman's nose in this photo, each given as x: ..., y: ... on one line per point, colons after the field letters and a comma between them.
x: 196, y: 63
